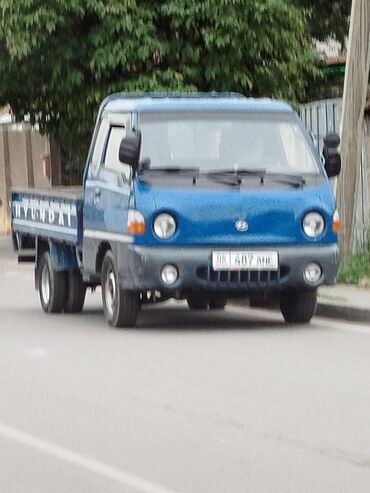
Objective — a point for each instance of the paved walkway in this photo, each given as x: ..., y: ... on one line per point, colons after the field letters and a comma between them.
x: 344, y: 301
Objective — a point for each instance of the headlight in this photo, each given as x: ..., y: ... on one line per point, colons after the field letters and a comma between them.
x: 164, y: 226
x: 313, y: 224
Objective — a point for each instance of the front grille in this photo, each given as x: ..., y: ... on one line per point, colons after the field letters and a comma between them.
x: 241, y: 279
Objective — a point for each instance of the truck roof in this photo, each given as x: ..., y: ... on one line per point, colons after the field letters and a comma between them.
x: 140, y: 102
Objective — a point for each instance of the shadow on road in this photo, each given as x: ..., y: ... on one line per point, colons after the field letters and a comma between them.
x: 179, y: 318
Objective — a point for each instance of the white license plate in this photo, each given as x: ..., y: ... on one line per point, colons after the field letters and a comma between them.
x: 245, y: 260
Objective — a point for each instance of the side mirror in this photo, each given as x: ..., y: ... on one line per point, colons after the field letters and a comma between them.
x: 129, y: 150
x: 331, y: 155
x: 144, y: 164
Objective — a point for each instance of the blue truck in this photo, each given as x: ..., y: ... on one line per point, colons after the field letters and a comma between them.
x: 201, y: 197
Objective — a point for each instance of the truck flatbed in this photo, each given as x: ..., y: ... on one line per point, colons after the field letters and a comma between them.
x: 54, y: 213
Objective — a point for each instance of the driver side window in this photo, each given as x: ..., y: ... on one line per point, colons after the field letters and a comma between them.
x: 99, y: 146
x: 111, y: 160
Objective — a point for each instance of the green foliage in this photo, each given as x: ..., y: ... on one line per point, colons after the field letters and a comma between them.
x: 59, y: 59
x: 327, y: 19
x: 357, y: 269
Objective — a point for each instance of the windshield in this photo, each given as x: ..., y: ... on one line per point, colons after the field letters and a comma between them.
x: 214, y: 141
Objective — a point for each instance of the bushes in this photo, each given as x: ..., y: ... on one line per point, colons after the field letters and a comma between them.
x: 357, y: 269
x: 74, y: 53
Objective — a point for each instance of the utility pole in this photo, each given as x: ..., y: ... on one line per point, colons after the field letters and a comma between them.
x: 354, y: 99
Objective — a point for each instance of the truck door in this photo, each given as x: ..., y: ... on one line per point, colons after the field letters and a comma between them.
x: 107, y: 192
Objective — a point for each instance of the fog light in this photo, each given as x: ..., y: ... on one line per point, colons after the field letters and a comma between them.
x: 169, y: 274
x: 312, y: 273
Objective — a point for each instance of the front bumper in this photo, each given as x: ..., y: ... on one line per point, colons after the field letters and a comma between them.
x: 140, y: 269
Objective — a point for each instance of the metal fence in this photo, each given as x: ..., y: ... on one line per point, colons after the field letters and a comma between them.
x: 322, y: 117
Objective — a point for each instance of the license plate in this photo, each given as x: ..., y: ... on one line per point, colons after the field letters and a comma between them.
x: 245, y: 260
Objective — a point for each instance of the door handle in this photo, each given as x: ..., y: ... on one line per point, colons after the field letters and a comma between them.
x: 97, y: 196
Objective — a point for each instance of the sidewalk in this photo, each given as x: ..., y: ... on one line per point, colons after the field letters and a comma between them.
x: 344, y: 301
x: 6, y: 248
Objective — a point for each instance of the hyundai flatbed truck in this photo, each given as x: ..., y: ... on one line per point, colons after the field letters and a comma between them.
x: 200, y: 197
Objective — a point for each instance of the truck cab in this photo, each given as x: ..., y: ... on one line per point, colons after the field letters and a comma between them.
x: 200, y: 197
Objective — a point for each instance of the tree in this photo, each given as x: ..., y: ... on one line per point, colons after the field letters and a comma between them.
x: 327, y: 19
x: 59, y: 59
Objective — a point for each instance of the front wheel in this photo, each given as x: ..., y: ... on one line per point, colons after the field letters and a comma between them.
x: 52, y: 285
x: 298, y: 306
x: 121, y: 306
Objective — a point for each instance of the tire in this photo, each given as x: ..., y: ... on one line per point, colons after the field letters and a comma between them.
x: 52, y: 285
x: 121, y: 306
x: 197, y: 301
x: 217, y: 302
x: 298, y: 306
x: 76, y: 292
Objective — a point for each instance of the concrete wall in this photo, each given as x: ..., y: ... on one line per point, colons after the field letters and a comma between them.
x: 2, y: 168
x: 25, y: 160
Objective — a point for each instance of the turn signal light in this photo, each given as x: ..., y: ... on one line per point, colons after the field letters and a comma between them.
x: 336, y: 222
x: 135, y: 223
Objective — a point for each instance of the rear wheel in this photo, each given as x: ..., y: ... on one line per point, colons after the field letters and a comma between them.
x: 217, y: 302
x: 298, y: 306
x: 121, y: 306
x: 52, y: 285
x: 76, y: 292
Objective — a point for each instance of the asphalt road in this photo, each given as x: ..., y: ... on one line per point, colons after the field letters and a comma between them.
x: 186, y: 403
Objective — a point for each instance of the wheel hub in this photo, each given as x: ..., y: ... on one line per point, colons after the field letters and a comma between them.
x: 45, y: 284
x: 111, y: 293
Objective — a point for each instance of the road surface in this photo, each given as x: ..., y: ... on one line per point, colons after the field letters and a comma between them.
x: 188, y: 402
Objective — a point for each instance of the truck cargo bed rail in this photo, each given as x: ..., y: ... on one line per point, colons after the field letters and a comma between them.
x: 54, y: 213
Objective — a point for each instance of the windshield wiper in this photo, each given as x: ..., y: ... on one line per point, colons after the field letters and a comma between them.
x: 232, y: 177
x: 224, y: 179
x: 170, y: 170
x: 291, y: 179
x: 194, y: 172
x: 237, y: 173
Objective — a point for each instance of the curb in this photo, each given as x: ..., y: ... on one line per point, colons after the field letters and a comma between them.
x: 343, y: 312
x: 326, y: 310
